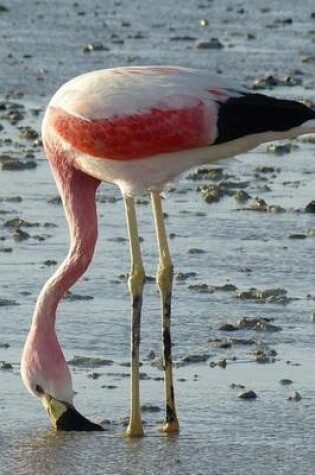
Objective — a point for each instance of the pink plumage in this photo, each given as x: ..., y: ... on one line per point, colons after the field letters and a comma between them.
x: 139, y: 128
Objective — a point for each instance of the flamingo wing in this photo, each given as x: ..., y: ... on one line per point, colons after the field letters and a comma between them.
x: 131, y: 113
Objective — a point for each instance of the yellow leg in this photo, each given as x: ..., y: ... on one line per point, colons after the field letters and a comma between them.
x: 164, y: 280
x: 135, y: 286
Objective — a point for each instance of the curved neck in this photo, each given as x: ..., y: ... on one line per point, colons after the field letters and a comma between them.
x: 77, y: 191
x: 60, y: 282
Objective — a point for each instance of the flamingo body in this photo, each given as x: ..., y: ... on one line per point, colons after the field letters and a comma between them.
x: 139, y: 128
x: 161, y: 120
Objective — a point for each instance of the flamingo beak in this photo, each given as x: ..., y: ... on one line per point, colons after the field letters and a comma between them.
x: 64, y: 416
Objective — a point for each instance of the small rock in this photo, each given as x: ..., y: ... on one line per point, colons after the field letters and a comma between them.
x: 183, y: 38
x: 259, y: 204
x: 213, y: 43
x: 294, y: 396
x: 201, y: 288
x: 7, y: 302
x: 5, y: 366
x: 18, y: 165
x: 4, y: 345
x: 241, y: 196
x: 20, y: 235
x: 221, y: 363
x: 280, y: 149
x: 310, y: 208
x: 204, y: 22
x: 74, y: 297
x: 28, y: 133
x: 297, y: 236
x: 224, y: 344
x: 89, y: 361
x: 150, y: 408
x: 265, y: 83
x: 247, y: 394
x: 151, y: 355
x: 97, y: 46
x: 228, y: 327
x: 206, y: 174
x: 285, y: 382
x: 237, y: 386
x: 93, y: 375
x: 195, y: 250
x: 195, y: 358
x: 55, y: 200
x: 277, y: 295
x: 185, y: 275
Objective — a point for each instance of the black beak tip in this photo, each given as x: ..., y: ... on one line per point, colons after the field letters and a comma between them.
x: 72, y: 420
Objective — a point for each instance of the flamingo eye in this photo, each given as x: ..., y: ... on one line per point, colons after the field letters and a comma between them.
x: 38, y: 389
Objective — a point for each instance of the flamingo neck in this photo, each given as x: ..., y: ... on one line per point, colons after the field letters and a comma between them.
x: 57, y: 285
x: 78, y: 196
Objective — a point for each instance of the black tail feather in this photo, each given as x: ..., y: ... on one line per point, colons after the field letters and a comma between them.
x: 257, y: 113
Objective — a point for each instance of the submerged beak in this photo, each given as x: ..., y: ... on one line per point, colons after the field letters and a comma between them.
x: 64, y: 416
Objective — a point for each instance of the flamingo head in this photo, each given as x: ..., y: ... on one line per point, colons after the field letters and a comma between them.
x: 46, y: 376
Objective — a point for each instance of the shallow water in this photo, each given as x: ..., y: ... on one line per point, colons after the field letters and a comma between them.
x: 219, y: 432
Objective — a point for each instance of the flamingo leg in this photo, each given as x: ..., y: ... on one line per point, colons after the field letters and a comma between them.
x: 164, y: 280
x: 135, y: 286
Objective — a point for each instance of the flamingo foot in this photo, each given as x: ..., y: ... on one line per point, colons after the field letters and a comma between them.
x: 135, y: 429
x: 170, y: 427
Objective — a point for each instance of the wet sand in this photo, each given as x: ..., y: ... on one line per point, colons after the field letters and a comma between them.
x: 266, y: 245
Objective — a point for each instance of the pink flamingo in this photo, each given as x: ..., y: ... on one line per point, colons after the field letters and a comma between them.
x: 139, y: 128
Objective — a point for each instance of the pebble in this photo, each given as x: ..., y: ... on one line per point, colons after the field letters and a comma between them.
x: 196, y: 250
x: 241, y: 196
x: 201, y: 358
x: 297, y: 236
x: 55, y: 200
x: 89, y: 361
x: 20, y: 235
x: 4, y: 345
x: 5, y: 366
x: 97, y: 46
x: 6, y: 249
x: 28, y: 133
x: 237, y: 386
x: 247, y: 394
x: 220, y: 363
x: 212, y: 43
x: 310, y: 207
x: 227, y: 327
x: 93, y: 375
x: 184, y: 275
x: 285, y: 382
x: 183, y: 38
x: 259, y: 204
x: 269, y: 82
x: 266, y: 169
x: 294, y: 396
x: 277, y: 295
x: 150, y: 408
x: 280, y: 149
x: 7, y: 302
x: 207, y: 174
x: 75, y: 297
x: 260, y: 324
x: 17, y: 165
x: 11, y: 199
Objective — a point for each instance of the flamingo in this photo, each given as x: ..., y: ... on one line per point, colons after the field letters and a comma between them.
x: 138, y: 128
